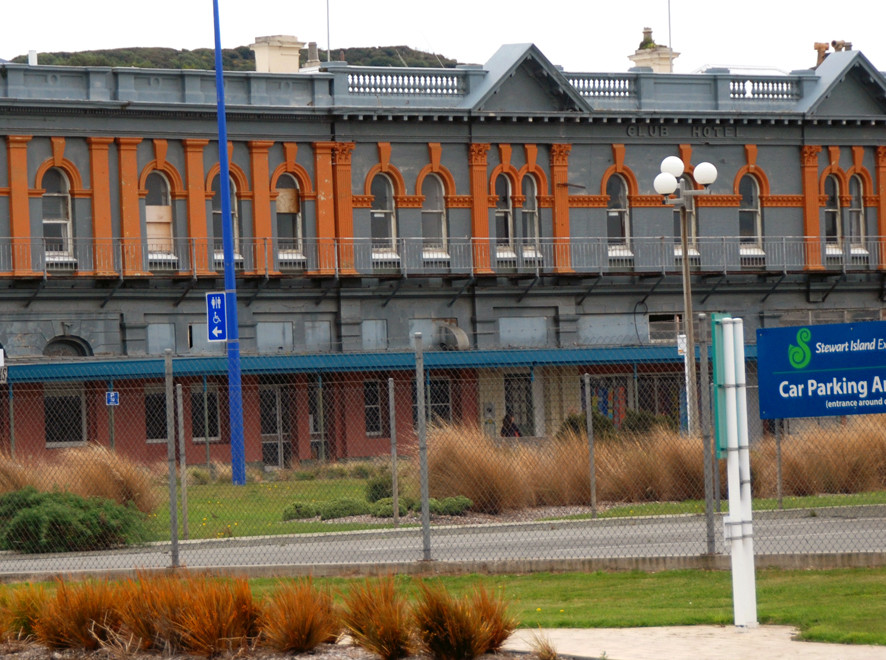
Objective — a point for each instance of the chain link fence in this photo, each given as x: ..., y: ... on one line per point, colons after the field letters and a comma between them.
x: 384, y: 458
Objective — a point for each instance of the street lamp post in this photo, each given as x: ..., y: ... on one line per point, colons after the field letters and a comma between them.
x: 670, y: 179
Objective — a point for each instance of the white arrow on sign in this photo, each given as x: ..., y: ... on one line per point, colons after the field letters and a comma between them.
x: 216, y: 331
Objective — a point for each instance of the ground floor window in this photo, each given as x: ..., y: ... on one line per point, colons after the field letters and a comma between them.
x: 204, y: 412
x: 438, y: 401
x: 375, y: 407
x: 64, y: 415
x: 518, y: 402
x: 155, y: 414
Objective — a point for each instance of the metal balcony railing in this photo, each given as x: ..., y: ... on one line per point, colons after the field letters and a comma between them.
x: 454, y: 257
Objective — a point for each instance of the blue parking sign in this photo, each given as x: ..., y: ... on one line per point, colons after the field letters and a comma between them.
x: 216, y: 317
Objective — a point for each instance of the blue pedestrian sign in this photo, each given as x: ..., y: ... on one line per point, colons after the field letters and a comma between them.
x: 216, y: 317
x: 822, y: 370
x: 112, y: 398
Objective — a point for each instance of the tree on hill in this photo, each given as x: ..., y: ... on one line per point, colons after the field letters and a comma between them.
x: 233, y: 59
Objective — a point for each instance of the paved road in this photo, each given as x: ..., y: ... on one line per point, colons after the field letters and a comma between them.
x: 849, y: 530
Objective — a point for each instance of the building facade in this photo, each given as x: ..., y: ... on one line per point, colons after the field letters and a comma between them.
x: 505, y: 211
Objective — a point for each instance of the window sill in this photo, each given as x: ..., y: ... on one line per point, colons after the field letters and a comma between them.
x: 65, y: 445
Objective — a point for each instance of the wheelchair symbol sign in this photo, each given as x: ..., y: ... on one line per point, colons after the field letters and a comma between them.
x: 216, y: 317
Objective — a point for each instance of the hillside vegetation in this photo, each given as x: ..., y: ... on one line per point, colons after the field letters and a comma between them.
x: 233, y: 59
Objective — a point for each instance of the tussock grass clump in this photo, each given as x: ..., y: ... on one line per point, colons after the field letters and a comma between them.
x: 81, y: 615
x: 217, y: 616
x: 493, y: 609
x: 150, y: 609
x: 15, y: 475
x: 449, y: 628
x: 95, y: 471
x: 377, y: 618
x: 297, y: 617
x: 496, y: 475
x: 465, y: 461
x: 21, y: 607
x: 851, y: 459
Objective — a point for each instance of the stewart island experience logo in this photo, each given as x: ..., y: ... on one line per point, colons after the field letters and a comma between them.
x: 800, y: 356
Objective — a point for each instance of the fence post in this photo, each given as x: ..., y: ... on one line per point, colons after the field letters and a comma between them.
x: 706, y: 433
x: 392, y: 409
x: 422, y: 448
x: 111, y: 418
x: 170, y: 457
x: 589, y: 423
x: 778, y: 474
x: 206, y: 426
x: 182, y: 458
x: 11, y: 424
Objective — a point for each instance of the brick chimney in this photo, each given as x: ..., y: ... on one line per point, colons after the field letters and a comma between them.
x: 277, y: 54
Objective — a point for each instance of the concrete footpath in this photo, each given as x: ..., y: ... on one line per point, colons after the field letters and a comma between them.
x: 690, y: 643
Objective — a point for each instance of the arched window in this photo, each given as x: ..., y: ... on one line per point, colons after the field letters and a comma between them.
x: 217, y: 217
x: 382, y: 215
x: 57, y: 225
x: 290, y: 228
x: 504, y: 212
x: 158, y: 220
x: 856, y: 213
x: 433, y: 215
x: 618, y: 219
x: 833, y: 230
x: 529, y: 212
x: 750, y: 214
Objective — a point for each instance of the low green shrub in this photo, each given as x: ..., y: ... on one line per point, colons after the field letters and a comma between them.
x: 343, y: 508
x: 576, y: 423
x: 35, y: 522
x: 379, y: 487
x: 384, y: 508
x: 456, y: 506
x: 332, y: 471
x: 642, y: 421
x: 449, y: 506
x: 300, y: 511
x: 361, y: 470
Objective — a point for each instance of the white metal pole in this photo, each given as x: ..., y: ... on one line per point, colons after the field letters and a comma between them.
x: 732, y: 523
x: 744, y: 468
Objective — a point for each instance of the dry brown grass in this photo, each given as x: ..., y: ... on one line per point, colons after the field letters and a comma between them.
x: 462, y: 460
x: 377, y: 618
x: 298, y: 616
x: 662, y: 465
x: 21, y: 608
x: 150, y: 608
x: 14, y: 475
x: 498, y: 475
x: 851, y: 459
x: 80, y: 615
x: 95, y: 471
x: 217, y: 616
x: 493, y: 609
x: 449, y: 628
x: 91, y: 471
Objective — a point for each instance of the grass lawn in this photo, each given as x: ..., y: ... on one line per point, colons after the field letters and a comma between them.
x: 760, y: 504
x: 255, y: 509
x: 220, y: 510
x: 841, y: 606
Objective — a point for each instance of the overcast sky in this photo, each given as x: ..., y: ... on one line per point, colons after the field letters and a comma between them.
x: 580, y: 35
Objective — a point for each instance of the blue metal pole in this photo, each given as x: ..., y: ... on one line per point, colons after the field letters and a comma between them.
x: 235, y: 392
